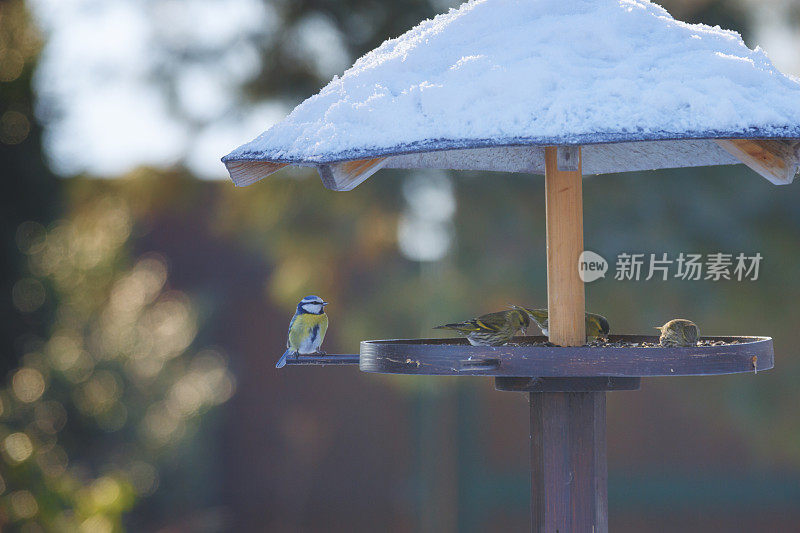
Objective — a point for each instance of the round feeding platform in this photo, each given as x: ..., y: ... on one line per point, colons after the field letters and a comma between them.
x: 532, y: 357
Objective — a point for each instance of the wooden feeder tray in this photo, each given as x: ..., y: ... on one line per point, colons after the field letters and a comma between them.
x: 528, y: 366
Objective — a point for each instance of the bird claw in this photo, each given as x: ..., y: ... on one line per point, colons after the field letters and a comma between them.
x: 320, y: 352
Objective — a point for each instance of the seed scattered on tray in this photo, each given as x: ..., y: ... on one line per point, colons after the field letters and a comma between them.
x: 623, y: 344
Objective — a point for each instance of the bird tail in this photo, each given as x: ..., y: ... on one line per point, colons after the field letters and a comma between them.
x: 446, y: 326
x: 282, y: 361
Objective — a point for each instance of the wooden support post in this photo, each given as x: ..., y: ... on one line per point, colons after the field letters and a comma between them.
x: 568, y: 439
x: 564, y: 208
x: 568, y: 462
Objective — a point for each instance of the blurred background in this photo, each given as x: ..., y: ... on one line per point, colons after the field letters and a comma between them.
x: 144, y: 300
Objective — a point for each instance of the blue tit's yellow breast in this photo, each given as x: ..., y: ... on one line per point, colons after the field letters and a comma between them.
x: 307, y: 328
x: 308, y: 321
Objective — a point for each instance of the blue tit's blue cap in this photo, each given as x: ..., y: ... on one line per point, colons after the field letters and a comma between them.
x: 313, y: 300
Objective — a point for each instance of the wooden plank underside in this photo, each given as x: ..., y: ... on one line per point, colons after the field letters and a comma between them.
x: 245, y: 173
x: 348, y: 175
x: 777, y: 161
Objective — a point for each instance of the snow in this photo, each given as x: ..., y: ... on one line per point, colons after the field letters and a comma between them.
x: 537, y: 72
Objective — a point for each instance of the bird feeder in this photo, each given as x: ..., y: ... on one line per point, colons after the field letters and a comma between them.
x: 564, y: 88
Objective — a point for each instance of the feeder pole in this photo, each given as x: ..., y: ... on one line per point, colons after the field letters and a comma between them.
x: 568, y: 437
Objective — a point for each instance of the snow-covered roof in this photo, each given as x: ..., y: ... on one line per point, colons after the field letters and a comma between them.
x: 488, y: 85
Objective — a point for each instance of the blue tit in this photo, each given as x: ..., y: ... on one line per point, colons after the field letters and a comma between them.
x: 597, y: 327
x: 679, y: 332
x: 493, y: 329
x: 307, y: 328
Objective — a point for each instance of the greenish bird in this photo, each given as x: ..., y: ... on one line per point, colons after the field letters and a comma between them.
x: 307, y: 329
x: 679, y: 332
x: 597, y: 326
x: 493, y: 329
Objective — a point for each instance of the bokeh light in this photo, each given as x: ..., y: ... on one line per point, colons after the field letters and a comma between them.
x: 11, y: 65
x: 143, y: 477
x: 14, y: 127
x: 31, y: 237
x: 97, y: 524
x: 52, y: 460
x: 28, y: 384
x: 28, y: 295
x: 50, y: 417
x: 23, y: 504
x: 425, y: 231
x: 18, y: 447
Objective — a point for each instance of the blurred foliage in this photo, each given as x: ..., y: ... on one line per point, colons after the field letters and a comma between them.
x: 28, y: 190
x: 361, y: 25
x: 95, y: 406
x: 724, y: 13
x: 105, y: 383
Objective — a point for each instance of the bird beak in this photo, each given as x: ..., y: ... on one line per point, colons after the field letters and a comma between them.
x: 324, y: 304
